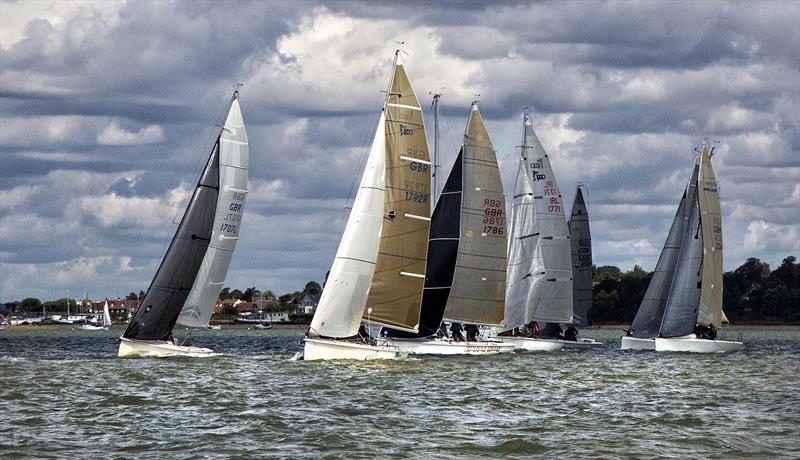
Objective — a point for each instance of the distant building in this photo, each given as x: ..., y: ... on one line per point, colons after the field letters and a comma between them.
x: 308, y: 304
x: 245, y: 308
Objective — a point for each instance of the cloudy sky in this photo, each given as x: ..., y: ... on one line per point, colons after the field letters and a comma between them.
x: 107, y: 111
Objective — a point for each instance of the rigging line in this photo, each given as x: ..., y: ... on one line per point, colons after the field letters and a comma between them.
x: 366, y: 146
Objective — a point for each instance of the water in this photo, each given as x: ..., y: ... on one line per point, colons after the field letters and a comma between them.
x: 65, y: 394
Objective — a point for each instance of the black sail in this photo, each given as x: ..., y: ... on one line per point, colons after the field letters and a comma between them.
x: 167, y: 293
x: 680, y: 312
x: 647, y: 323
x: 581, y: 240
x: 442, y: 253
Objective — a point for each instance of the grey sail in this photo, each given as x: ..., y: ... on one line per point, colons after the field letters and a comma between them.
x: 159, y: 310
x: 581, y: 240
x: 680, y: 312
x: 523, y: 264
x: 647, y: 322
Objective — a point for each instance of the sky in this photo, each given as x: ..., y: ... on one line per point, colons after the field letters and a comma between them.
x: 107, y: 112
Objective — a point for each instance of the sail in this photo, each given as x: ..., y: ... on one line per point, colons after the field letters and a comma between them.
x: 522, y: 244
x: 552, y: 301
x: 338, y: 313
x: 396, y: 291
x: 479, y: 280
x: 233, y: 163
x: 106, y: 315
x: 647, y: 322
x: 156, y: 315
x: 581, y: 242
x: 680, y: 312
x: 442, y: 253
x: 710, y: 310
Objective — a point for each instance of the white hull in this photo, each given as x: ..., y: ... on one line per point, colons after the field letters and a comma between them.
x: 634, y: 343
x: 582, y: 344
x: 531, y: 344
x: 692, y: 344
x: 158, y: 348
x: 89, y: 327
x: 426, y: 346
x: 329, y: 349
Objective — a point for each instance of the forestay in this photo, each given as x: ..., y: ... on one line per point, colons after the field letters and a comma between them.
x: 479, y: 281
x: 581, y: 242
x: 233, y: 166
x: 710, y: 310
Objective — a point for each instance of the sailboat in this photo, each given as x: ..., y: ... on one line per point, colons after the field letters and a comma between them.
x: 685, y: 293
x: 465, y: 277
x: 105, y: 324
x: 379, y: 269
x: 539, y: 273
x: 190, y: 277
x: 581, y: 243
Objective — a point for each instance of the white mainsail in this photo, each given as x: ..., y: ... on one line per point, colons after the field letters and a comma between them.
x: 233, y: 168
x: 540, y: 258
x: 345, y: 295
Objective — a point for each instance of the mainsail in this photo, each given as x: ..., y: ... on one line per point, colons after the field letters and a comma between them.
x: 380, y: 263
x: 233, y: 163
x: 106, y: 315
x: 581, y: 240
x: 710, y: 310
x: 175, y: 277
x: 539, y: 261
x: 648, y: 319
x: 477, y: 293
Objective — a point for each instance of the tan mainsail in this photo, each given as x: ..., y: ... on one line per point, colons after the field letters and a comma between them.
x: 479, y: 282
x: 396, y: 290
x: 710, y: 309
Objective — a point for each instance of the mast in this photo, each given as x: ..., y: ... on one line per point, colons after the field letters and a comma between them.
x: 435, y: 106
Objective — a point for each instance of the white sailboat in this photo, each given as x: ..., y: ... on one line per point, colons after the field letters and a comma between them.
x: 685, y: 293
x: 104, y: 325
x: 539, y: 273
x: 379, y: 267
x: 188, y: 281
x: 465, y: 277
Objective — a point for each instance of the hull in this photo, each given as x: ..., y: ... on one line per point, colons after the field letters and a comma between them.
x: 158, y: 348
x: 262, y: 326
x: 692, y: 344
x: 89, y: 327
x: 582, y: 344
x: 328, y: 349
x: 634, y: 343
x: 532, y: 344
x: 447, y: 347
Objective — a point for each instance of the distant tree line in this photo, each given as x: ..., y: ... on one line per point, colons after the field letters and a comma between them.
x: 751, y: 293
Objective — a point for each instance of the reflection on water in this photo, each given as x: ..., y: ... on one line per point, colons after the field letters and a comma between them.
x: 65, y: 394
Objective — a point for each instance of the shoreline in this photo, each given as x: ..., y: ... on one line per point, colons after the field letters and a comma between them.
x: 121, y: 327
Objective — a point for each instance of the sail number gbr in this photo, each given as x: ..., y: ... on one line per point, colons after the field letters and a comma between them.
x: 493, y: 217
x: 230, y: 223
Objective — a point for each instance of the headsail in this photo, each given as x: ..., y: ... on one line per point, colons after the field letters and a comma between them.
x: 710, y: 310
x: 233, y: 164
x: 106, y: 315
x: 166, y: 296
x: 647, y: 322
x: 478, y: 288
x: 581, y: 241
x: 549, y: 296
x: 342, y: 302
x: 680, y: 313
x: 396, y: 290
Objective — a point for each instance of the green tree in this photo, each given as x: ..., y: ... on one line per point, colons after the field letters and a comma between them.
x: 31, y: 304
x: 250, y: 293
x: 312, y: 288
x: 131, y: 296
x: 605, y: 272
x: 637, y: 272
x: 225, y: 293
x: 230, y: 309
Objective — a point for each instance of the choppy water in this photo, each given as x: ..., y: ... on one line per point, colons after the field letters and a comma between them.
x: 65, y: 394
